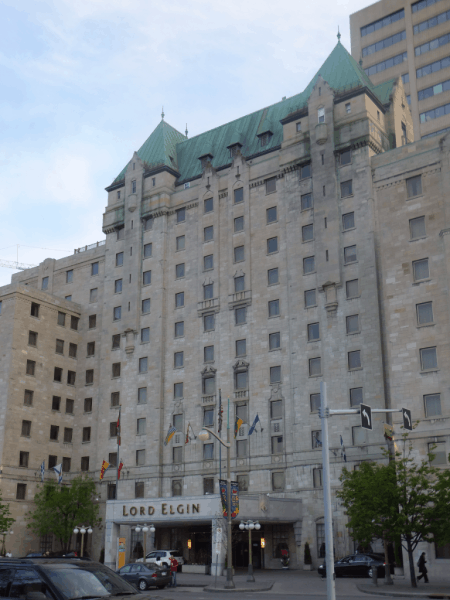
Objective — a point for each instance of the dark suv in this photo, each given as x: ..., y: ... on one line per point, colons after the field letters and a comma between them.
x: 60, y: 579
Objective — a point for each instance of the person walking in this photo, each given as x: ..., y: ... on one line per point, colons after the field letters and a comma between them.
x: 174, y: 569
x: 422, y: 568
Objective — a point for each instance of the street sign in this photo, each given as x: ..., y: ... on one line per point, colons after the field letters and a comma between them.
x: 366, y: 416
x: 407, y: 419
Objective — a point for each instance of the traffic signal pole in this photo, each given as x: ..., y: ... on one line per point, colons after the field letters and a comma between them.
x: 325, y: 413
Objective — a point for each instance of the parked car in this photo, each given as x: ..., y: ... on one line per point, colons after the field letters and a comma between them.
x: 61, y: 579
x: 144, y: 576
x: 356, y: 565
x: 57, y: 554
x: 162, y: 557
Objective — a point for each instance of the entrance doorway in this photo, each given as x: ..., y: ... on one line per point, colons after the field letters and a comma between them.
x: 240, y: 550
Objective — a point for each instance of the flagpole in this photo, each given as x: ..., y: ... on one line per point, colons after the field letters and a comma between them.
x: 118, y: 458
x: 220, y: 431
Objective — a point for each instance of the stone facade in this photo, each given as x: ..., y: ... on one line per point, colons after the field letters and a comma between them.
x: 277, y: 271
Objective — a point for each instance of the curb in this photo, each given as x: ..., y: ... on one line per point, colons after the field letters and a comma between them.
x: 264, y: 588
x: 405, y: 594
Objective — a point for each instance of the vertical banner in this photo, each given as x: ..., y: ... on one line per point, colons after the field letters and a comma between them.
x: 234, y: 497
x: 121, y: 552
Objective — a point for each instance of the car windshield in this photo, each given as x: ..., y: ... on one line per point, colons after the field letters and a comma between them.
x: 87, y: 582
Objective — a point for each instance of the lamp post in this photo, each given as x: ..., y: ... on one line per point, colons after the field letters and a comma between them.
x: 144, y: 530
x: 204, y: 435
x: 4, y: 534
x: 83, y: 530
x: 250, y: 525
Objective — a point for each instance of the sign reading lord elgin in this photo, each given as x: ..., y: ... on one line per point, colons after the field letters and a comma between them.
x: 164, y: 508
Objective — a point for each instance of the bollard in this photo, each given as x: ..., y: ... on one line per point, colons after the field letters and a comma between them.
x: 375, y: 576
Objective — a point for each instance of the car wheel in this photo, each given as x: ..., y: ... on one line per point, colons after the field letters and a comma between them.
x: 142, y: 585
x: 161, y: 587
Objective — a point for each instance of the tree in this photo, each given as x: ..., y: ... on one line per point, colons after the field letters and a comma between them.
x: 402, y: 498
x: 6, y: 522
x: 60, y: 508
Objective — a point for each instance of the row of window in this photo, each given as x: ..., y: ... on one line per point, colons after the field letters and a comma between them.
x: 380, y: 23
x: 434, y: 90
x: 422, y: 4
x: 386, y: 64
x: 433, y: 22
x: 61, y: 317
x: 434, y: 113
x: 432, y: 44
x: 57, y: 373
x: 386, y: 43
x: 433, y: 67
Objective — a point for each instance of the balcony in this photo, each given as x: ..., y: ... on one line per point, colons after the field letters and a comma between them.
x: 209, y: 399
x: 239, y: 298
x: 212, y: 305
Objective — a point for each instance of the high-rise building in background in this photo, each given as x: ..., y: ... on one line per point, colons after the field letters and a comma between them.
x: 411, y: 40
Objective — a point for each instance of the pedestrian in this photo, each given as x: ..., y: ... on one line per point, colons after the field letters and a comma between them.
x: 174, y: 569
x: 422, y: 568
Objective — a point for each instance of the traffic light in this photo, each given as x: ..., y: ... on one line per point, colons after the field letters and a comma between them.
x: 407, y: 419
x: 366, y: 416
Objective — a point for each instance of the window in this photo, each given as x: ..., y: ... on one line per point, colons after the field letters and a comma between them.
x: 32, y: 338
x: 90, y: 349
x: 208, y: 291
x: 59, y: 349
x: 88, y: 405
x: 354, y: 359
x: 115, y: 398
x: 309, y: 265
x: 28, y: 397
x: 113, y: 429
x: 208, y: 322
x: 384, y: 43
x: 274, y: 340
x: 57, y: 374
x: 179, y: 329
x: 44, y: 285
x: 90, y: 376
x: 178, y: 390
x: 358, y: 435
x: 321, y: 115
x: 238, y: 195
x: 239, y: 224
x: 145, y: 306
x: 348, y: 221
x: 306, y: 201
x: 94, y: 268
x: 35, y: 309
x: 146, y: 278
x: 73, y: 348
x: 272, y: 276
x: 68, y: 432
x: 208, y: 485
x: 432, y: 403
x: 313, y: 332
x: 276, y: 409
x: 274, y: 308
x: 386, y: 64
x: 116, y: 370
x: 143, y: 364
x: 111, y: 489
x: 424, y: 313
x: 298, y: 126
x: 133, y: 185
x: 420, y: 269
x: 26, y: 428
x: 61, y: 319
x: 414, y: 186
x: 316, y: 438
x: 21, y: 491
x: 348, y: 108
x: 54, y: 432
x: 208, y: 354
x: 208, y: 417
x: 307, y: 233
x: 70, y: 404
x: 271, y: 215
x: 241, y: 380
x: 356, y: 396
x: 314, y: 400
x: 115, y: 341
x: 120, y: 231
x: 352, y: 288
x: 118, y: 286
x: 112, y: 459
x: 350, y: 255
x: 310, y: 298
x: 208, y: 262
x: 275, y: 374
x: 439, y: 454
x: 242, y: 483
x: 31, y: 367
x: 52, y: 460
x: 346, y: 188
x: 117, y: 313
x: 271, y: 185
x: 179, y: 270
x: 432, y: 45
x: 181, y: 215
x: 208, y: 233
x: 56, y: 403
x: 141, y: 426
x: 241, y: 448
x: 438, y: 65
x: 209, y: 385
x: 272, y: 245
x: 241, y: 347
x: 139, y: 490
x: 92, y: 321
x: 315, y: 367
x: 428, y: 358
x: 147, y: 250
x: 178, y: 360
x: 239, y: 254
x: 145, y: 335
x: 239, y: 283
x: 240, y: 315
x: 352, y: 324
x: 180, y: 243
x: 434, y: 90
x: 278, y: 483
x: 178, y: 422
x: 142, y: 395
x: 417, y: 228
x: 317, y: 478
x: 376, y: 25
x: 74, y: 323
x: 208, y: 451
x: 208, y: 205
x: 85, y: 463
x: 23, y: 459
x: 179, y: 299
x: 119, y: 259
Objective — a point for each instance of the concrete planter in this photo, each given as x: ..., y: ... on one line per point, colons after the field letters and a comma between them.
x: 198, y: 569
x: 307, y: 567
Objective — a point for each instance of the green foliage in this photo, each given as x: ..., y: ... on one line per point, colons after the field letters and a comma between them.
x: 59, y: 509
x: 6, y: 522
x: 307, y: 556
x: 400, y: 499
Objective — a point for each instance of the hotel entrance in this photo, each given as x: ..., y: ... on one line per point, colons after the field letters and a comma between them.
x: 241, y: 548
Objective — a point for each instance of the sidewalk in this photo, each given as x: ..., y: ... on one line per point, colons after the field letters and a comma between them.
x: 400, y: 589
x: 264, y: 581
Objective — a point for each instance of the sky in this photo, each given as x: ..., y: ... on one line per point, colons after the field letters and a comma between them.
x: 83, y: 83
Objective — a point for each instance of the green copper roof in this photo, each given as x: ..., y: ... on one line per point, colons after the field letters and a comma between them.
x: 340, y: 71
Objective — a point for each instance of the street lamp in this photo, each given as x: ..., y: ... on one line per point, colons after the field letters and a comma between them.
x: 144, y: 530
x: 250, y: 525
x: 83, y: 530
x: 4, y: 534
x: 204, y: 435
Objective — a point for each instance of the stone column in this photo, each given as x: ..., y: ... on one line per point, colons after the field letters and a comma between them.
x: 218, y: 532
x: 111, y: 541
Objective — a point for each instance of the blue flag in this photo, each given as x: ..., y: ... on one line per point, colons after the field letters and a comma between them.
x: 58, y: 472
x: 252, y: 428
x: 344, y: 456
x: 43, y: 470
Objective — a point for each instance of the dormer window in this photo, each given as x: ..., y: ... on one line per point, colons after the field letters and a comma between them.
x: 205, y: 159
x: 118, y: 195
x: 321, y: 115
x: 234, y: 150
x: 265, y: 139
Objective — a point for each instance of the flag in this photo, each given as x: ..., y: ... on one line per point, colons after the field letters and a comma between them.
x: 58, y: 472
x: 388, y: 431
x: 43, y: 470
x: 171, y: 432
x: 118, y: 429
x: 119, y: 468
x: 104, y: 468
x: 344, y: 456
x: 252, y: 428
x: 237, y: 426
x: 188, y: 439
x: 220, y: 419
